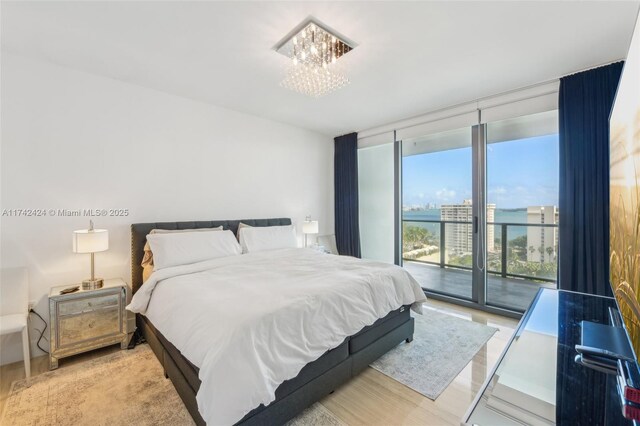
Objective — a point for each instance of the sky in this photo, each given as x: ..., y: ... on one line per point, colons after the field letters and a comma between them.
x: 520, y: 173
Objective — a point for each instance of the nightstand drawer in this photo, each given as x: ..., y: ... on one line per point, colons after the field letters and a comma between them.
x: 91, y: 325
x: 89, y: 304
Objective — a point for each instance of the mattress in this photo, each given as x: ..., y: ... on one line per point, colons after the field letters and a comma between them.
x: 329, y: 360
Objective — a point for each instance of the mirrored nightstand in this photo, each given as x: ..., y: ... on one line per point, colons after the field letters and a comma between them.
x: 87, y: 319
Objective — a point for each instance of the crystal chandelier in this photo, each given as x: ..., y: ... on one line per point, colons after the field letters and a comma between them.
x: 313, y: 51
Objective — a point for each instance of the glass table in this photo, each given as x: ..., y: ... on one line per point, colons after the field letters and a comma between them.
x: 537, y: 381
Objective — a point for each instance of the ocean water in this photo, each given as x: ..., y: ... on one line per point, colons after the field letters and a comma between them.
x: 501, y: 216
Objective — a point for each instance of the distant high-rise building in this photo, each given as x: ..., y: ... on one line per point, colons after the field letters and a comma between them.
x: 459, y: 237
x: 542, y: 241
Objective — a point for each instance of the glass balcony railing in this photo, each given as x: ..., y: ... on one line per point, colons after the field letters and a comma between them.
x: 517, y: 250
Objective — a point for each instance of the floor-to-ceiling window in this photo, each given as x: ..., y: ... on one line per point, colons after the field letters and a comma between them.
x: 500, y: 253
x: 437, y: 218
x: 467, y: 199
x: 522, y: 208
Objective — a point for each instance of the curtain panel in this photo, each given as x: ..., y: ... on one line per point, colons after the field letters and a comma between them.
x: 585, y: 102
x: 346, y: 194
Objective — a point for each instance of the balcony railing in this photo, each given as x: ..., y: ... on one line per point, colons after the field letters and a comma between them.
x: 502, y: 265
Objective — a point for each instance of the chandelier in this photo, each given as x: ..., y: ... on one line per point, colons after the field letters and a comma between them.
x: 313, y: 50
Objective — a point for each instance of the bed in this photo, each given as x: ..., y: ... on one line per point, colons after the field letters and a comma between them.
x: 314, y: 381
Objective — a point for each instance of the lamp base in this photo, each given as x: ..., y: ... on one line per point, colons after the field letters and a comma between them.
x: 92, y: 284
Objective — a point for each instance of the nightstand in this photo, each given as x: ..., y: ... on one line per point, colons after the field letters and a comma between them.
x: 87, y: 319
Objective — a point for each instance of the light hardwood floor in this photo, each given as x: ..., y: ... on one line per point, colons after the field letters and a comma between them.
x: 371, y: 398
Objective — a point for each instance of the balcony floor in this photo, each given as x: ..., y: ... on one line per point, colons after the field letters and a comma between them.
x: 510, y: 293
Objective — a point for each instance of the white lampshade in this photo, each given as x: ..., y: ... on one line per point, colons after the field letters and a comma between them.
x: 90, y: 241
x: 310, y: 227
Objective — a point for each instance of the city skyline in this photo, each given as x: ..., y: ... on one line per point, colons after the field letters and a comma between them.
x: 520, y: 173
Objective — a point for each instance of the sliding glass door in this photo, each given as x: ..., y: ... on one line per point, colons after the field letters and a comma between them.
x: 479, y: 210
x: 471, y: 212
x: 437, y: 211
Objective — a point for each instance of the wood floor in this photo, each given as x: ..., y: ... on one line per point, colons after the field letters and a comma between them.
x: 370, y: 398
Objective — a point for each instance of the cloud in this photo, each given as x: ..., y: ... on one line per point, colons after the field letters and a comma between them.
x: 445, y: 194
x: 498, y: 190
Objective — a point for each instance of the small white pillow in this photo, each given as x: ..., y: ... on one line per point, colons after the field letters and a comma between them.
x: 147, y: 260
x: 260, y: 238
x: 183, y: 248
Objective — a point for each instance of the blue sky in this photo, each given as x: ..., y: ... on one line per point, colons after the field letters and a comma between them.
x: 519, y: 174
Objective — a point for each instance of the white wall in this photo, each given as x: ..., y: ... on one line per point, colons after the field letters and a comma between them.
x: 72, y: 140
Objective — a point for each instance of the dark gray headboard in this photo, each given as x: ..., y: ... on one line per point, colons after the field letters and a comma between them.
x: 139, y: 232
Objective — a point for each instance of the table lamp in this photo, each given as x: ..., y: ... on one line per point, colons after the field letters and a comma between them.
x: 91, y: 241
x: 309, y: 227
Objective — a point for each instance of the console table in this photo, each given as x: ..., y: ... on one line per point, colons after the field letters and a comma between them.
x: 537, y: 382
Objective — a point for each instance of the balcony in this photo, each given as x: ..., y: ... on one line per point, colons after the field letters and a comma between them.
x: 438, y: 254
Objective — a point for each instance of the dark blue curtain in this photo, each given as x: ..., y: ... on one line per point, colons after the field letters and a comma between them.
x: 586, y: 99
x: 346, y: 194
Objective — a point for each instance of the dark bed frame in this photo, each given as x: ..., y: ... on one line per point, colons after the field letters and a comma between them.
x: 315, y: 381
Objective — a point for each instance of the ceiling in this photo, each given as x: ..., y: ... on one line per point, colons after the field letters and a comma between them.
x: 412, y: 57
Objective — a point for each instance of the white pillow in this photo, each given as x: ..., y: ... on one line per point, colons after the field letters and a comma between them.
x: 147, y: 260
x: 182, y: 248
x: 260, y: 238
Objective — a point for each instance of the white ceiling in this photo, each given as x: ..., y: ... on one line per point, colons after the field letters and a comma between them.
x: 412, y: 57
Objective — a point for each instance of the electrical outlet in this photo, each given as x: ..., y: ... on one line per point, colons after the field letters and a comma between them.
x: 32, y: 305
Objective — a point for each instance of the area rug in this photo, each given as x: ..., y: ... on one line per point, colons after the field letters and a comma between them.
x: 442, y: 346
x: 316, y: 415
x: 123, y: 388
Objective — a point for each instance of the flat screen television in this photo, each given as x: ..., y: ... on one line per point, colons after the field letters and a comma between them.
x: 624, y: 221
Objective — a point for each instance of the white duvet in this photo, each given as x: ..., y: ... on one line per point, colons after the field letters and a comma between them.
x: 250, y: 322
